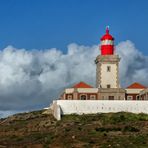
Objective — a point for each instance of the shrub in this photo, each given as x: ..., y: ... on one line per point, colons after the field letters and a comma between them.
x: 130, y: 129
x: 91, y: 142
x: 102, y: 129
x: 79, y: 128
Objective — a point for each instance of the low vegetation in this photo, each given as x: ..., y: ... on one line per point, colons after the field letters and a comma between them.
x: 38, y: 130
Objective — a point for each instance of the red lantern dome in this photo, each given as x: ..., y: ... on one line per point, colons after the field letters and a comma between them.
x: 107, y: 44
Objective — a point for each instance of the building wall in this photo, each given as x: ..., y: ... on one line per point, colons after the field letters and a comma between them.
x: 117, y: 96
x: 99, y: 106
x: 108, y: 77
x: 133, y: 93
x: 104, y: 76
x: 89, y: 96
x: 132, y: 96
x: 144, y: 94
x: 69, y: 96
x: 99, y: 94
x: 88, y: 90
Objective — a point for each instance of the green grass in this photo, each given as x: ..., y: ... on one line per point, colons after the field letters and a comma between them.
x: 110, y: 118
x: 130, y: 129
x: 92, y: 130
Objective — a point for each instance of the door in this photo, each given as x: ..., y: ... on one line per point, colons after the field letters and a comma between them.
x: 111, y: 97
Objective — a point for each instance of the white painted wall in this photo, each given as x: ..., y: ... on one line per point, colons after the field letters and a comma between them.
x: 69, y: 90
x: 108, y: 77
x: 56, y: 110
x: 133, y: 91
x: 99, y: 106
x: 87, y: 90
x: 82, y: 90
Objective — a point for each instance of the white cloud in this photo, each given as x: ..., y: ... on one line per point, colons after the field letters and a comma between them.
x: 4, y: 114
x: 32, y: 79
x: 133, y: 65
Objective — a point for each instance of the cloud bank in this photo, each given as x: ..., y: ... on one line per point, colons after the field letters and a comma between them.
x: 31, y: 79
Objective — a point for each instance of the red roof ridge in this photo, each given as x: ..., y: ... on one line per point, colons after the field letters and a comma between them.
x: 136, y: 85
x: 82, y: 85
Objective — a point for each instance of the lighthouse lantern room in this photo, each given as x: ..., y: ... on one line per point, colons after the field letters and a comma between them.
x: 107, y: 43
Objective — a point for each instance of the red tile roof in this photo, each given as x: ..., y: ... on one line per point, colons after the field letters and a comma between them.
x: 82, y: 85
x: 136, y: 86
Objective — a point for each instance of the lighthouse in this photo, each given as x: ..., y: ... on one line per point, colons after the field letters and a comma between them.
x: 107, y: 76
x: 107, y: 63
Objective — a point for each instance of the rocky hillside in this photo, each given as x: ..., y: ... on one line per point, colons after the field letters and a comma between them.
x: 38, y: 130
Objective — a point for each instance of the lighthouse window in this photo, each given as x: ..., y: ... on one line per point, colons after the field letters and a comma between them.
x: 108, y: 68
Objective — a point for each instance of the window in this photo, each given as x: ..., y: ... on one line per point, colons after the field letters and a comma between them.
x: 108, y: 68
x: 83, y: 97
x: 137, y: 97
x: 111, y: 97
x: 92, y: 97
x: 129, y: 97
x: 69, y: 97
x: 108, y: 85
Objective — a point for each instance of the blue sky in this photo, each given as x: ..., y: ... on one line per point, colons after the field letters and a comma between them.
x: 44, y: 24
